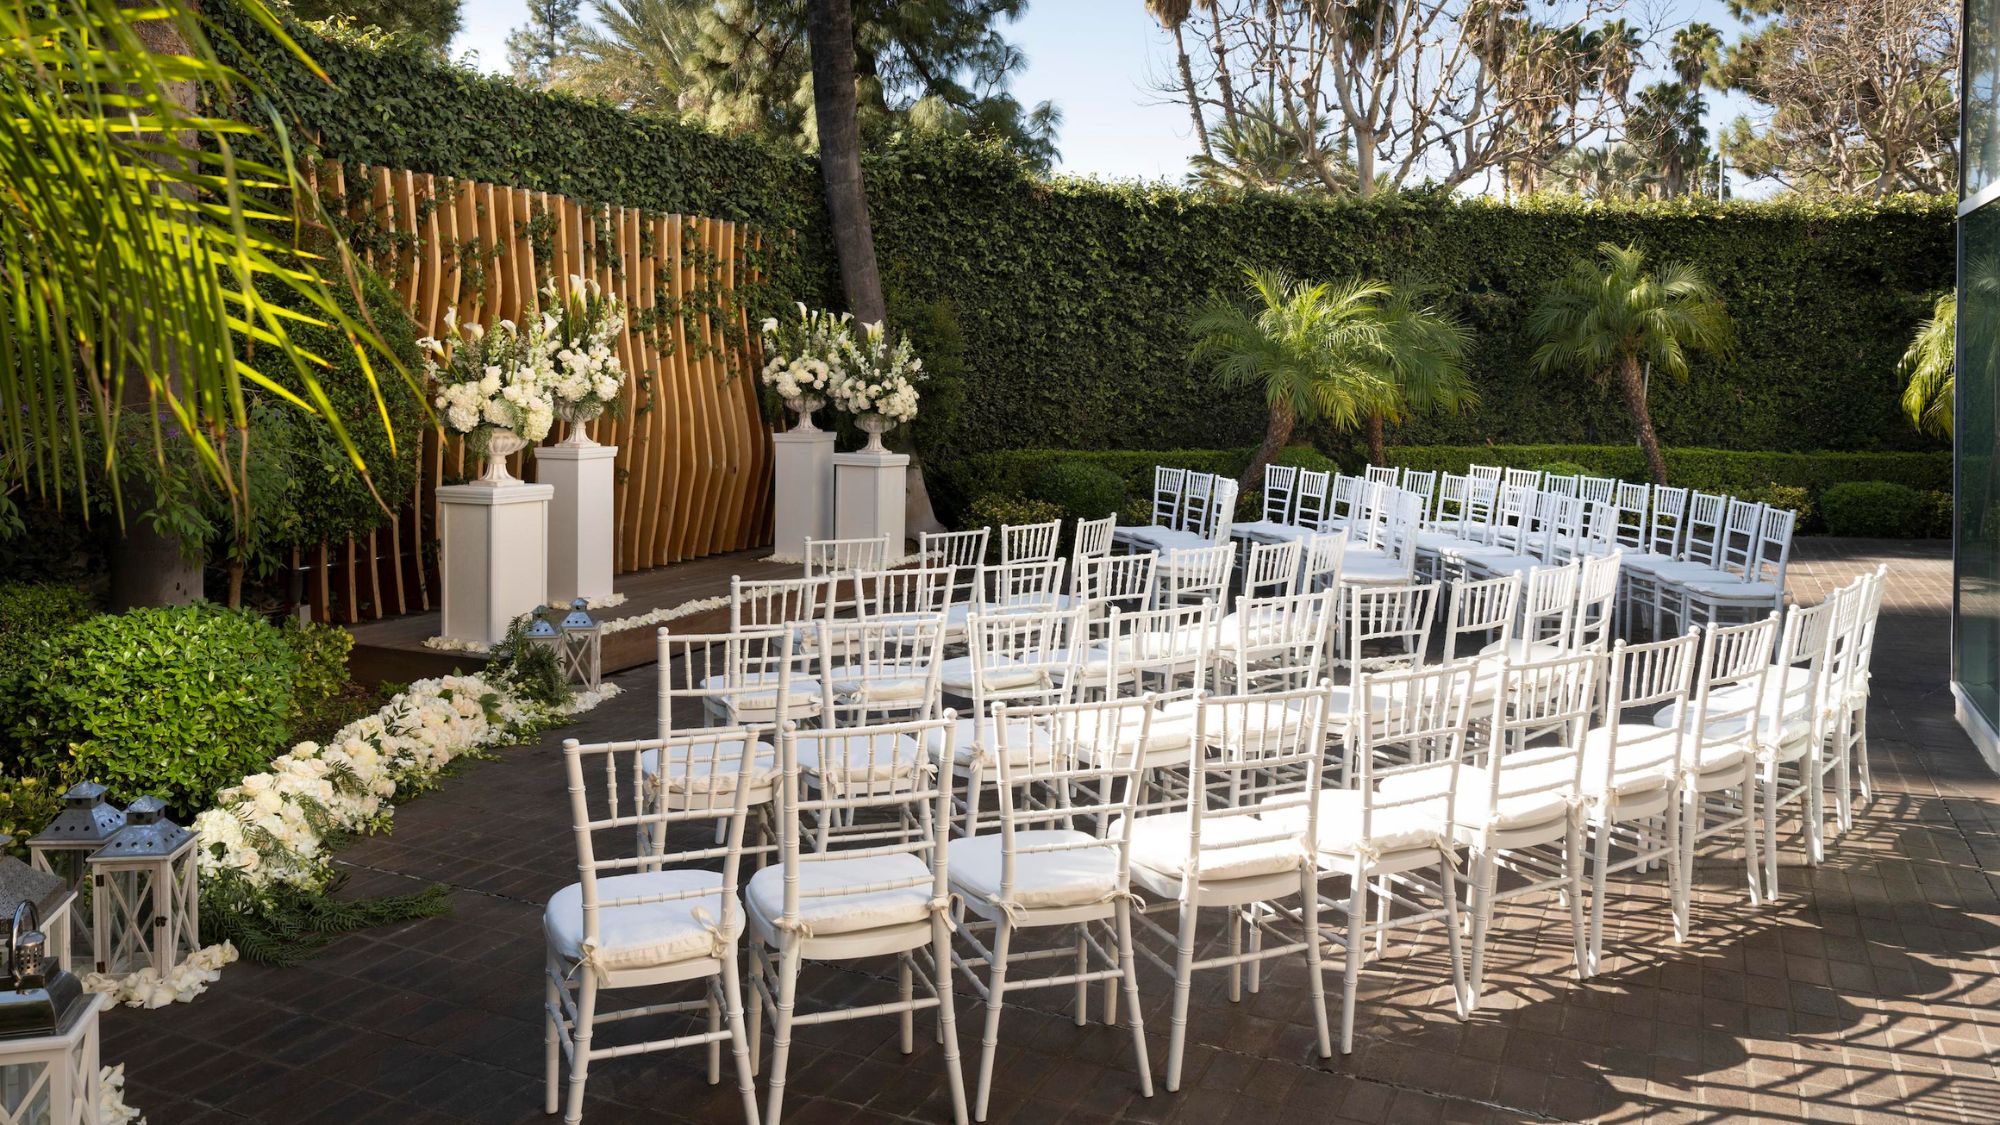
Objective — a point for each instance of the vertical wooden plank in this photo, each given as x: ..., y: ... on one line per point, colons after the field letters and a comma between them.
x: 684, y: 437
x: 710, y: 395
x: 649, y: 480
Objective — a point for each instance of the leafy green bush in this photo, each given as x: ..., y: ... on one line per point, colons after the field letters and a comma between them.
x: 319, y: 689
x: 995, y: 509
x: 31, y: 613
x: 1305, y: 457
x: 1937, y: 514
x: 531, y: 670
x: 1564, y: 469
x: 27, y: 804
x: 1082, y: 490
x: 178, y: 701
x: 1790, y: 496
x: 1872, y: 509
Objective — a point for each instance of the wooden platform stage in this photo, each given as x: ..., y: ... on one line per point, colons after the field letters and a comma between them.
x: 392, y: 649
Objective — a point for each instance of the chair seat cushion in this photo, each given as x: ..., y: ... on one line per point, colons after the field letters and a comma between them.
x: 1733, y: 591
x: 642, y: 935
x: 974, y: 738
x: 1163, y: 539
x: 855, y: 757
x: 1270, y: 531
x: 1226, y: 727
x: 1232, y: 847
x: 955, y: 675
x: 823, y: 912
x: 756, y: 696
x: 714, y: 766
x: 1170, y: 734
x: 1397, y: 827
x: 1781, y: 731
x: 1051, y: 879
x: 1532, y: 793
x: 1521, y: 650
x: 900, y: 682
x: 1645, y: 759
x: 1375, y: 570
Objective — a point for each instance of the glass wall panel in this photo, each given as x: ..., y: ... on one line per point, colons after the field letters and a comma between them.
x: 1976, y: 651
x: 1982, y: 94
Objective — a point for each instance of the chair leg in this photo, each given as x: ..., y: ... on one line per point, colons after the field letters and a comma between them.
x: 1483, y: 870
x: 1751, y: 847
x: 996, y: 996
x: 739, y: 1044
x: 1454, y: 946
x: 947, y: 1016
x: 1183, y: 983
x: 1236, y: 949
x: 1690, y: 826
x: 1315, y: 956
x: 1573, y: 884
x: 1381, y: 917
x: 579, y: 1062
x: 1128, y: 971
x: 1768, y: 784
x: 1350, y: 977
x: 552, y: 1028
x: 906, y: 988
x: 1815, y: 806
x: 1600, y: 856
x: 715, y: 1044
x: 1082, y: 987
x: 1677, y: 873
x: 1861, y: 756
x: 761, y: 987
x: 789, y: 956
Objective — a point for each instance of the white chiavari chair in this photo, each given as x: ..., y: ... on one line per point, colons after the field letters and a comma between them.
x: 720, y: 682
x: 1631, y: 772
x: 1389, y: 475
x: 1056, y: 864
x: 1217, y: 852
x: 654, y: 919
x: 1386, y: 628
x: 1665, y: 528
x: 872, y: 674
x: 1395, y: 563
x: 1323, y: 556
x: 1422, y: 485
x: 1093, y: 540
x: 1791, y: 733
x: 962, y: 555
x: 1515, y: 798
x: 1164, y: 655
x: 1847, y: 748
x: 1280, y: 491
x: 1530, y: 479
x: 837, y: 558
x: 1598, y: 490
x: 1402, y: 846
x: 877, y: 885
x: 1761, y: 588
x: 1022, y: 587
x: 788, y: 603
x: 1168, y: 486
x: 1718, y: 779
x: 1548, y: 615
x: 1561, y: 485
x: 921, y: 593
x: 1275, y: 643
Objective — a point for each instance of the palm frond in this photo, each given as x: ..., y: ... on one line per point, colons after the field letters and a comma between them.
x: 1929, y: 366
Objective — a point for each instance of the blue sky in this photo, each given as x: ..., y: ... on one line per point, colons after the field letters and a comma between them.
x: 1102, y: 62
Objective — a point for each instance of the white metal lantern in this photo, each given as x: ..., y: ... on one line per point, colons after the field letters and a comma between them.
x: 148, y: 904
x: 49, y: 1072
x: 86, y: 821
x: 583, y: 646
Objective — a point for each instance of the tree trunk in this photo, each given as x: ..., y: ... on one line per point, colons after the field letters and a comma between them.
x: 1364, y: 162
x: 1277, y: 431
x: 830, y: 25
x: 1378, y: 449
x: 1634, y: 386
x: 1193, y: 98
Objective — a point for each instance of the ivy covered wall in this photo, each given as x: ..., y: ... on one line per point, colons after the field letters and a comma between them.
x: 1070, y: 294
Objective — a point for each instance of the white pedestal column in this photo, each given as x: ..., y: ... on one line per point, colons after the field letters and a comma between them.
x: 804, y: 485
x: 579, y: 519
x: 868, y: 494
x: 496, y: 556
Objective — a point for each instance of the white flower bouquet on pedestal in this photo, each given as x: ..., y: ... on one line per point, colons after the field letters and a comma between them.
x: 806, y: 360
x: 578, y: 339
x: 879, y: 386
x: 493, y: 387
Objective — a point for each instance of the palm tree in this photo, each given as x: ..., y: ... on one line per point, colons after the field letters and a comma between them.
x: 1173, y: 14
x: 1611, y: 317
x: 1696, y: 50
x: 1427, y: 347
x: 1322, y: 351
x: 1929, y: 365
x: 146, y: 249
x: 634, y: 55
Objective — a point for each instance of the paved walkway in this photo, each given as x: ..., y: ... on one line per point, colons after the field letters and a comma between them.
x: 1869, y: 991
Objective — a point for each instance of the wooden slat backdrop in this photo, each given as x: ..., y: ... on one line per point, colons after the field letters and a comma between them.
x: 694, y: 470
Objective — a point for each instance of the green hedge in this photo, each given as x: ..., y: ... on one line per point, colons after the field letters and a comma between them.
x: 1071, y: 294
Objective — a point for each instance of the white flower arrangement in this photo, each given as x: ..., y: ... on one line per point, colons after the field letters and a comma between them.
x: 806, y: 355
x: 271, y: 828
x: 578, y: 339
x: 881, y: 375
x: 147, y: 988
x: 488, y: 380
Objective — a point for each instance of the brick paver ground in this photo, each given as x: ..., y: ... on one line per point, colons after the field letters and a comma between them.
x: 1868, y: 992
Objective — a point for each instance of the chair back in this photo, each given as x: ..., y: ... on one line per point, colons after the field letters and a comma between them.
x: 1630, y: 503
x: 1451, y: 500
x: 1741, y: 532
x: 1126, y: 581
x: 1322, y: 561
x: 1197, y: 502
x: 1022, y: 587
x: 619, y: 831
x: 1195, y: 574
x: 1029, y: 542
x: 851, y: 813
x: 1701, y: 537
x: 837, y: 558
x: 1414, y: 720
x: 1774, y: 546
x: 1278, y: 643
x: 1597, y: 490
x: 1168, y: 485
x: 774, y: 602
x: 1082, y: 769
x: 1273, y: 568
x: 721, y: 679
x: 1512, y: 517
x: 1221, y: 513
x: 1387, y: 627
x: 1797, y: 691
x: 1280, y: 481
x: 1667, y: 525
x: 1548, y: 604
x: 1484, y: 472
x: 1522, y: 478
x: 1483, y: 612
x: 1638, y: 681
x: 878, y: 671
x: 1163, y: 653
x: 1030, y: 659
x: 1310, y: 499
x: 1730, y: 686
x: 912, y: 593
x: 1389, y: 475
x: 1263, y: 777
x: 1562, y: 485
x: 1346, y: 496
x: 1596, y: 602
x: 961, y: 554
x: 1093, y: 538
x: 1422, y: 485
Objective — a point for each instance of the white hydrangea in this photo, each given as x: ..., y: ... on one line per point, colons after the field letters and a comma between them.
x: 882, y: 375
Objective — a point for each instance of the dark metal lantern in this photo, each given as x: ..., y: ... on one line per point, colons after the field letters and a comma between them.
x: 39, y: 997
x: 148, y: 833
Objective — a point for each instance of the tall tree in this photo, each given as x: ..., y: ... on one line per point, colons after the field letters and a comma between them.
x: 1449, y: 91
x: 637, y: 55
x: 1854, y: 97
x: 433, y: 21
x: 1173, y: 15
x: 1614, y: 319
x: 1665, y: 127
x: 831, y: 27
x: 534, y: 48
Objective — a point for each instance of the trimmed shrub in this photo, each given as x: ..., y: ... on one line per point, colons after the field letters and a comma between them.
x: 1937, y: 514
x: 180, y: 702
x: 1872, y: 509
x: 1082, y: 490
x: 319, y: 702
x: 1791, y: 496
x: 1564, y: 469
x: 31, y: 613
x: 1305, y: 457
x: 994, y: 509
